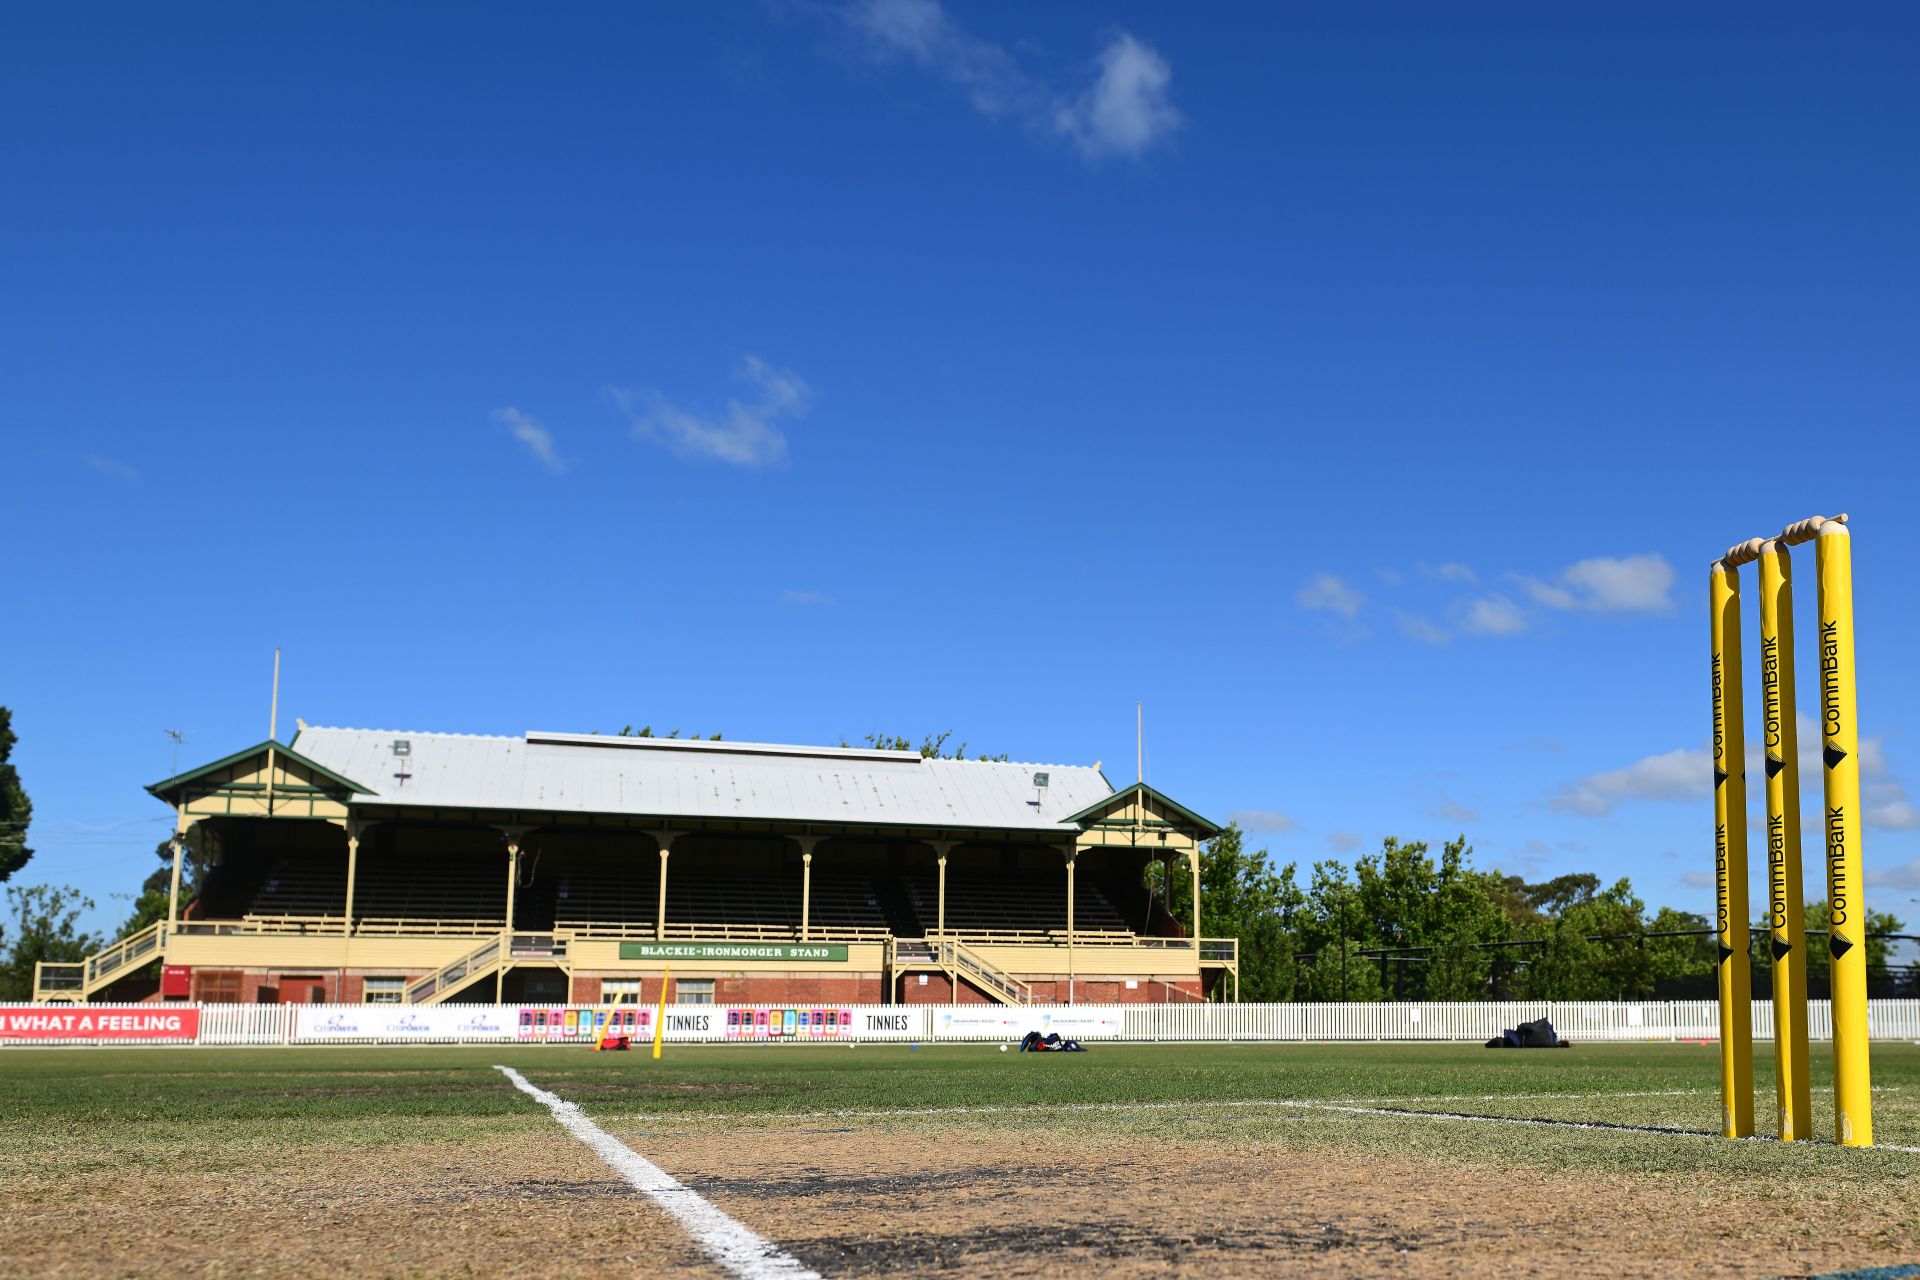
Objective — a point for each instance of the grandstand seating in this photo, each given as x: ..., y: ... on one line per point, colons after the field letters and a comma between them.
x: 988, y: 904
x: 301, y: 885
x: 448, y: 890
x: 717, y: 900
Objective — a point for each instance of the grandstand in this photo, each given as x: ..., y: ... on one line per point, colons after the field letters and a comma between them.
x: 372, y: 865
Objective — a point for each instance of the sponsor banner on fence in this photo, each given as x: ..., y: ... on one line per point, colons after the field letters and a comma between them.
x: 963, y: 1023
x: 395, y: 1023
x: 583, y: 1024
x: 44, y: 1022
x: 1582, y: 1022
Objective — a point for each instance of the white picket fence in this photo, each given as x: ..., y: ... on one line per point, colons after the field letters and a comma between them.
x: 238, y: 1024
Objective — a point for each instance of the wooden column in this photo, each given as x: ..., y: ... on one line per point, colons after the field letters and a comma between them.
x: 173, y: 889
x: 1193, y: 857
x: 353, y: 861
x: 666, y: 839
x: 1072, y: 851
x: 513, y: 835
x: 941, y: 848
x: 513, y: 872
x: 806, y: 844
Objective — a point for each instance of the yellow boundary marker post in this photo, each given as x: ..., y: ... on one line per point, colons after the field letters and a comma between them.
x: 1730, y: 855
x: 1840, y: 756
x: 1786, y: 899
x: 660, y: 1017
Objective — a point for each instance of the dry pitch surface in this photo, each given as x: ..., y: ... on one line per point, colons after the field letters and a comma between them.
x: 1137, y: 1160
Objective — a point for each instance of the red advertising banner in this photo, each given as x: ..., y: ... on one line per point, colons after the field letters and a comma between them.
x: 51, y: 1023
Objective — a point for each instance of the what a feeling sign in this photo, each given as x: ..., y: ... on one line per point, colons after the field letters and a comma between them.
x: 811, y: 952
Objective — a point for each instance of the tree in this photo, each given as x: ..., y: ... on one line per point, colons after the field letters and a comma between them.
x: 40, y: 926
x: 1339, y: 972
x: 1438, y: 915
x: 1820, y: 960
x: 1242, y: 896
x: 932, y: 747
x: 646, y: 731
x: 16, y: 811
x: 151, y: 904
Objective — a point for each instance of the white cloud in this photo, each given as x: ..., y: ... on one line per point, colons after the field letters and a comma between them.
x: 531, y: 433
x: 1453, y: 811
x: 1494, y: 615
x: 1544, y: 593
x: 1126, y: 110
x: 1688, y: 774
x: 1682, y: 774
x: 921, y: 32
x: 1885, y: 804
x: 1343, y: 841
x: 1904, y: 876
x: 1632, y: 584
x: 745, y: 434
x: 111, y: 467
x: 1271, y: 820
x: 1328, y: 594
x: 1419, y: 628
x: 1452, y: 571
x: 1606, y: 584
x: 807, y: 598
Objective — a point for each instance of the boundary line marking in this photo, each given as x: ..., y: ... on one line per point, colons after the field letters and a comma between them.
x: 726, y: 1239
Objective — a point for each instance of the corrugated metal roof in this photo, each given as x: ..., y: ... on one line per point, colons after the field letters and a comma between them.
x: 678, y: 778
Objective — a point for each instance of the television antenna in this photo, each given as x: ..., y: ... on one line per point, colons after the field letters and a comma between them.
x: 178, y: 738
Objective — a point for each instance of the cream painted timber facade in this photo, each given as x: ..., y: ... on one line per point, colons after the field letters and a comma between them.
x: 353, y: 864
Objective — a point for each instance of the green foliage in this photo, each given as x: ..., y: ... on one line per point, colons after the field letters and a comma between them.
x: 40, y: 924
x: 16, y: 811
x: 1402, y: 923
x: 1819, y: 959
x: 932, y: 747
x: 150, y: 906
x: 646, y: 731
x: 1241, y: 896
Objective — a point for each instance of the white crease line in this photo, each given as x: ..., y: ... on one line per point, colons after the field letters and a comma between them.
x: 730, y: 1243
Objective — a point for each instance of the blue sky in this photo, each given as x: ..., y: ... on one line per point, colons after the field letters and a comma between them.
x: 1365, y: 390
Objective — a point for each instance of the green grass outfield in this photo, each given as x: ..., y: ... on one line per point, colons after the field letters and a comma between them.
x: 290, y: 1093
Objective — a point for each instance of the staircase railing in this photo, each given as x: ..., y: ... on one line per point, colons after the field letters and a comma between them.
x: 1220, y: 951
x: 485, y: 960
x: 477, y: 963
x: 1003, y: 987
x: 57, y: 980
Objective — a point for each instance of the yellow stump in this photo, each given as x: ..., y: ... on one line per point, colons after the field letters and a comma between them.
x: 660, y: 1017
x: 1730, y: 856
x: 1840, y: 757
x: 1786, y: 905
